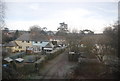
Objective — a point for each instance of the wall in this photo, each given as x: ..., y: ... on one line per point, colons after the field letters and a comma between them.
x: 24, y: 44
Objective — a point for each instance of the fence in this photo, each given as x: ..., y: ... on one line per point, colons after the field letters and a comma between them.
x: 18, y: 55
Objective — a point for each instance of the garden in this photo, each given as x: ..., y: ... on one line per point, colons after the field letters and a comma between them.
x: 31, y: 63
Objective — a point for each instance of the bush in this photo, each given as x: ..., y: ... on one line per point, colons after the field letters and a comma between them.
x: 29, y: 68
x: 53, y: 55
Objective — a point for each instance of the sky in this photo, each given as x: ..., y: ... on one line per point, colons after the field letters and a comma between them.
x: 79, y: 15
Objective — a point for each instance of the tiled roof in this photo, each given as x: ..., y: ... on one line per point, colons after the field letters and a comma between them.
x: 39, y: 38
x: 57, y: 37
x: 11, y: 44
x: 25, y: 36
x: 30, y: 37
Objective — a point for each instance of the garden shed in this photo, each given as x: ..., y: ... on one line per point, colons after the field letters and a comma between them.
x: 19, y: 60
x: 8, y: 59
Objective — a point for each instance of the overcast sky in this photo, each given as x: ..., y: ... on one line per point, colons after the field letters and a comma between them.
x: 95, y: 15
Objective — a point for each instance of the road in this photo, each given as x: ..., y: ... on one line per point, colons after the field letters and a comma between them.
x: 57, y: 68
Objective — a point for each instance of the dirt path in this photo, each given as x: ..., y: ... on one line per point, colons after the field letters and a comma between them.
x: 58, y: 68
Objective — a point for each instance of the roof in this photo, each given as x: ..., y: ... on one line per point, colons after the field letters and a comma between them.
x: 8, y: 59
x: 49, y: 45
x: 11, y: 44
x: 1, y: 45
x: 25, y: 37
x: 19, y: 59
x: 39, y: 38
x: 71, y: 52
x: 31, y: 37
x: 56, y: 37
x: 43, y: 44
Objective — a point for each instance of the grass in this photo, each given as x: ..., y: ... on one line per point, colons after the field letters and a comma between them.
x: 28, y: 58
x: 28, y: 69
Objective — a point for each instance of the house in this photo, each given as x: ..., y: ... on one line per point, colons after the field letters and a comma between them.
x: 36, y: 43
x: 20, y: 44
x: 12, y: 47
x: 24, y: 41
x: 40, y: 43
x: 48, y: 47
x: 33, y: 43
x: 61, y: 41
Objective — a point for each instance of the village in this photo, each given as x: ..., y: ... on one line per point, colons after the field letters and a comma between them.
x: 36, y: 54
x: 59, y: 40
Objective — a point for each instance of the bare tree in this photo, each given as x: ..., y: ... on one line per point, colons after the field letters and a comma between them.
x: 73, y: 40
x: 2, y: 25
x: 74, y: 31
x: 86, y: 31
x: 112, y: 32
x: 2, y: 14
x: 44, y: 28
x: 36, y: 29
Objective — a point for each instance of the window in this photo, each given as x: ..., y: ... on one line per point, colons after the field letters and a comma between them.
x: 36, y: 42
x: 28, y: 41
x: 27, y: 46
x: 39, y: 49
x: 22, y: 41
x: 40, y: 41
x: 20, y: 47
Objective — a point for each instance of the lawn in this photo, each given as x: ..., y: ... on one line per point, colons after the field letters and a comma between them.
x: 30, y: 58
